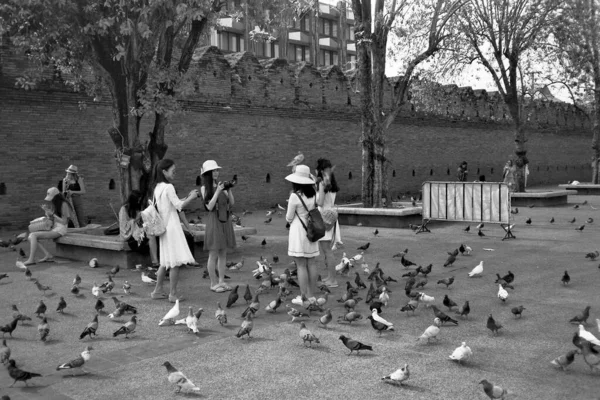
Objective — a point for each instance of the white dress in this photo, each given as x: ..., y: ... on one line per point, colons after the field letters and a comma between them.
x: 329, y: 202
x: 298, y: 243
x: 174, y: 250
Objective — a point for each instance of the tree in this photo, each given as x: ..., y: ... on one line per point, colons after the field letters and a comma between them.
x: 498, y: 34
x: 426, y: 20
x: 577, y: 44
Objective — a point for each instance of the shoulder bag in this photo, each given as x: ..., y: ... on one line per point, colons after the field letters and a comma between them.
x: 315, y: 228
x: 153, y: 222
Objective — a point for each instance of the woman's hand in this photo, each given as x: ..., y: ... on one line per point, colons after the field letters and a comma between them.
x: 193, y: 193
x: 220, y: 187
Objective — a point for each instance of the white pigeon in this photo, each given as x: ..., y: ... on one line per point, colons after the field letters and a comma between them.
x: 428, y: 300
x: 461, y: 353
x: 20, y: 264
x: 377, y: 318
x: 588, y: 336
x: 169, y: 318
x: 297, y: 160
x: 398, y: 376
x: 502, y: 293
x: 432, y: 331
x: 190, y: 320
x: 468, y: 250
x: 179, y: 379
x: 345, y: 259
x: 384, y: 297
x: 357, y: 257
x: 96, y: 290
x: 147, y: 279
x: 477, y: 270
x: 93, y: 263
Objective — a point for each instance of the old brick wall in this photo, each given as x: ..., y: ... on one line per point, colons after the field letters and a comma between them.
x: 254, y: 124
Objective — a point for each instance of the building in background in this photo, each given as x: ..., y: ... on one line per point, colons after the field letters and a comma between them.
x: 323, y: 38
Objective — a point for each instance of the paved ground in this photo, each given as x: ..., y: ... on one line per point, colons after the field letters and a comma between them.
x: 274, y: 363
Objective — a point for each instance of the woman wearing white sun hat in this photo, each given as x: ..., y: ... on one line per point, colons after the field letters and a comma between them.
x: 299, y: 247
x: 73, y: 187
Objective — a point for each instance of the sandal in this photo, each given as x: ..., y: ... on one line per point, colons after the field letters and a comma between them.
x: 46, y: 259
x: 226, y: 287
x: 158, y: 295
x: 173, y: 299
x: 217, y: 289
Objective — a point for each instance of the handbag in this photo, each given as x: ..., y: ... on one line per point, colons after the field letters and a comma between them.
x: 315, y: 227
x: 40, y: 224
x: 153, y: 222
x: 330, y: 217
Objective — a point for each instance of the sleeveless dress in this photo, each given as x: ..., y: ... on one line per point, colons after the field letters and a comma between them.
x: 174, y: 250
x: 219, y: 232
x: 75, y: 201
x: 298, y: 243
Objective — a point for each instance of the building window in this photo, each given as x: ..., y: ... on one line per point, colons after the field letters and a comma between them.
x: 350, y: 33
x: 351, y: 61
x: 328, y: 27
x: 301, y: 53
x: 328, y: 57
x: 266, y: 49
x: 229, y: 41
x: 302, y: 24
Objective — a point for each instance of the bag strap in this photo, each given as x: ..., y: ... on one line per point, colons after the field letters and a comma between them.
x: 302, y: 222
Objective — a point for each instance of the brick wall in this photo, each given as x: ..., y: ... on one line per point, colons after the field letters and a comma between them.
x: 253, y: 118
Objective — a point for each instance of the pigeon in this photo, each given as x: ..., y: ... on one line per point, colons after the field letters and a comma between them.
x: 325, y: 318
x: 77, y: 280
x: 127, y: 329
x: 448, y: 302
x: 406, y: 262
x: 43, y: 330
x: 297, y: 160
x: 264, y: 242
x: 246, y: 326
x: 528, y: 221
x: 41, y: 288
x: 126, y: 287
x: 126, y: 307
x: 22, y: 253
x: 384, y: 297
x: 573, y: 220
x: 253, y: 307
x: 117, y: 313
x: 467, y: 229
x: 493, y: 391
x: 411, y: 306
x: 442, y: 316
x: 480, y: 233
x: 461, y: 353
x: 480, y: 225
x: 41, y: 309
x: 75, y: 290
x: 62, y: 304
x: 425, y: 271
x: 502, y: 293
x: 248, y: 294
x: 565, y: 360
x: 421, y: 283
x: 178, y: 378
x: 492, y: 325
x: 115, y: 270
x: 398, y: 376
x: 237, y: 266
x: 273, y: 305
x: 233, y: 296
x: 17, y: 315
x: 307, y: 336
x: 450, y: 260
x: 588, y: 336
x: 515, y: 211
x: 464, y: 310
x: 376, y: 232
x: 592, y: 255
x: 590, y: 355
x: 378, y: 323
x: 18, y: 374
x: 354, y: 345
x: 576, y: 206
x: 4, y: 352
x: 517, y: 311
x: 28, y: 274
x: 268, y: 220
x: 432, y: 331
x: 77, y: 363
x: 359, y: 282
x: 428, y: 300
x: 552, y: 220
x: 477, y: 270
x: 148, y: 278
x: 590, y: 220
x: 93, y: 263
x: 220, y: 315
x: 350, y: 317
x: 580, y: 228
x: 465, y: 250
x: 108, y: 286
x: 364, y: 247
x: 99, y: 306
x: 446, y: 281
x: 96, y: 289
x: 294, y: 313
x: 90, y: 329
x: 565, y: 278
x: 583, y: 317
x: 191, y: 320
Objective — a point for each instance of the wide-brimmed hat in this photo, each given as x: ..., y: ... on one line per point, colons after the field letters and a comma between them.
x: 51, y: 193
x: 72, y: 169
x: 301, y: 176
x: 209, y: 165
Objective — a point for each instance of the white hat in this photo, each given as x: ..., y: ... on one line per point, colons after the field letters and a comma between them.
x: 51, y: 193
x: 72, y: 169
x: 301, y: 176
x: 209, y: 165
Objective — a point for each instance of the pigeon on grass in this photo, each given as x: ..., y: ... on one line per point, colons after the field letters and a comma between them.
x: 78, y: 362
x: 398, y: 376
x: 354, y: 345
x: 177, y: 377
x: 18, y: 374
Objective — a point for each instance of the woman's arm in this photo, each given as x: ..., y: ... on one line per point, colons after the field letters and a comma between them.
x: 320, y: 194
x: 176, y: 201
x: 291, y: 209
x: 211, y: 204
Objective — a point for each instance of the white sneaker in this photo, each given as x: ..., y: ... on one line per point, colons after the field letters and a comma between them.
x: 297, y: 301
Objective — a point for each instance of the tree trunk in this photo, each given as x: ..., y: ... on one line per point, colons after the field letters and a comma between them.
x: 596, y: 126
x: 512, y: 101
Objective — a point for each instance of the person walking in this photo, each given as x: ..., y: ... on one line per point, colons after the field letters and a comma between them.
x: 327, y: 189
x: 303, y: 251
x: 174, y: 251
x: 219, y: 235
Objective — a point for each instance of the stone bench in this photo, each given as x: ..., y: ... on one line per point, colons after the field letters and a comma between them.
x: 354, y: 214
x: 583, y: 188
x: 112, y: 250
x: 540, y: 199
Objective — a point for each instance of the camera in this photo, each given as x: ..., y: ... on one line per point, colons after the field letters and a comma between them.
x: 229, y: 184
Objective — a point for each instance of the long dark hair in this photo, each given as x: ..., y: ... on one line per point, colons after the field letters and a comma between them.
x: 307, y: 190
x: 208, y: 183
x: 133, y: 204
x: 57, y: 202
x: 157, y: 175
x: 323, y: 164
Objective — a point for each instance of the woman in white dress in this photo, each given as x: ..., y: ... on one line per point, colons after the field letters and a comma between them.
x: 299, y: 247
x: 327, y: 189
x: 174, y: 250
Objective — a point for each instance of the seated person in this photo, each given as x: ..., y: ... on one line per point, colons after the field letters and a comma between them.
x: 130, y: 223
x: 58, y: 212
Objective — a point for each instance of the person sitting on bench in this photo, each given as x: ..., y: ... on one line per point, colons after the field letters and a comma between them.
x: 130, y: 224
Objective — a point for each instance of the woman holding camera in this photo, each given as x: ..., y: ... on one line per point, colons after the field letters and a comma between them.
x: 73, y: 187
x: 219, y: 235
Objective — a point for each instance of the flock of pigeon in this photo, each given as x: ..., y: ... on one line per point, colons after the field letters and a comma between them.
x: 377, y: 300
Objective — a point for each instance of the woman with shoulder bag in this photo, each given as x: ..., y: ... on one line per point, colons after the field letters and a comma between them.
x: 219, y: 235
x: 300, y: 203
x: 58, y: 213
x: 174, y: 250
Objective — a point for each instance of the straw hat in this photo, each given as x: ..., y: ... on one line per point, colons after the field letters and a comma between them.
x: 301, y: 176
x: 51, y: 193
x: 72, y: 169
x: 209, y: 165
